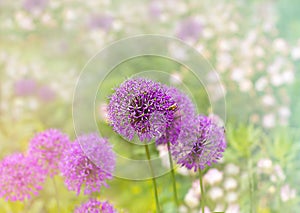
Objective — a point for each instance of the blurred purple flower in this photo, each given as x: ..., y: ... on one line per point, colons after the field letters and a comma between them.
x: 46, y: 94
x: 20, y: 177
x: 25, y: 87
x: 31, y: 5
x: 95, y: 206
x: 200, y: 145
x: 155, y: 9
x: 189, y: 29
x: 143, y: 107
x: 88, y: 162
x: 101, y: 21
x: 186, y: 110
x: 47, y: 148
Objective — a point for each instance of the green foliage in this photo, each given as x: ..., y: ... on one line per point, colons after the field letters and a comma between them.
x: 243, y: 140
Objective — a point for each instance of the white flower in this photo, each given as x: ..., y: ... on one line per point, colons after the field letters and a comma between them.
x: 269, y: 120
x: 295, y: 53
x: 232, y: 169
x: 237, y: 74
x: 259, y: 51
x: 288, y: 76
x: 177, y: 52
x: 213, y: 176
x: 215, y: 193
x: 279, y: 173
x: 175, y: 78
x: 287, y: 193
x: 183, y: 171
x: 231, y: 197
x: 103, y: 111
x: 233, y: 208
x: 219, y: 208
x: 164, y: 155
x: 261, y: 84
x: 268, y: 100
x: 230, y: 183
x: 245, y: 85
x: 24, y: 21
x: 280, y: 45
x: 276, y: 79
x: 224, y: 45
x: 207, y: 33
x: 224, y: 60
x: 206, y: 210
x: 183, y: 209
x: 191, y: 199
x: 264, y: 165
x: 284, y: 112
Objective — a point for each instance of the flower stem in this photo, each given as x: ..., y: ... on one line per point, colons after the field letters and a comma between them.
x: 251, y: 186
x: 56, y: 194
x: 202, y: 191
x: 153, y: 179
x: 173, y: 177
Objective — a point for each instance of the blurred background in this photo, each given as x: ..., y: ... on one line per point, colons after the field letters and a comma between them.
x: 253, y: 45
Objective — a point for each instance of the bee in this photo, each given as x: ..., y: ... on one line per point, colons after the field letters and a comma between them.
x: 173, y: 107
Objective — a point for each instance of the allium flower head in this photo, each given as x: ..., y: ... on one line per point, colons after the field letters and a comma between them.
x: 185, y: 111
x: 89, y: 162
x: 201, y: 145
x: 25, y: 87
x: 95, y: 206
x: 143, y: 107
x: 20, y: 177
x: 47, y: 148
x: 190, y: 29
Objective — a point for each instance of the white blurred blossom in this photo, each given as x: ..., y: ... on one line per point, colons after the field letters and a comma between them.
x: 269, y: 120
x: 287, y: 193
x: 191, y: 199
x: 213, y: 176
x: 233, y: 208
x: 265, y: 165
x: 230, y: 183
x: 215, y: 193
x: 231, y: 197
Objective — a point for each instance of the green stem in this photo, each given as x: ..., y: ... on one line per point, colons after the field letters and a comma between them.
x: 202, y: 191
x: 153, y: 179
x: 173, y: 177
x: 56, y: 194
x: 251, y: 185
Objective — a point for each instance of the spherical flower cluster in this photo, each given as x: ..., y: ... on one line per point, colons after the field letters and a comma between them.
x: 25, y: 87
x: 20, y: 177
x: 142, y: 107
x: 185, y: 111
x: 95, y: 206
x: 88, y: 162
x: 47, y: 148
x: 201, y: 145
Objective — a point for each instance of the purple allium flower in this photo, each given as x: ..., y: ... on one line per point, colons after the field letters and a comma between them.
x: 201, y: 144
x: 88, y: 162
x: 31, y: 5
x: 20, y: 177
x: 142, y: 107
x: 25, y: 87
x: 95, y: 206
x: 46, y: 94
x: 189, y: 29
x: 155, y: 9
x: 101, y: 22
x: 186, y: 110
x: 47, y: 148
